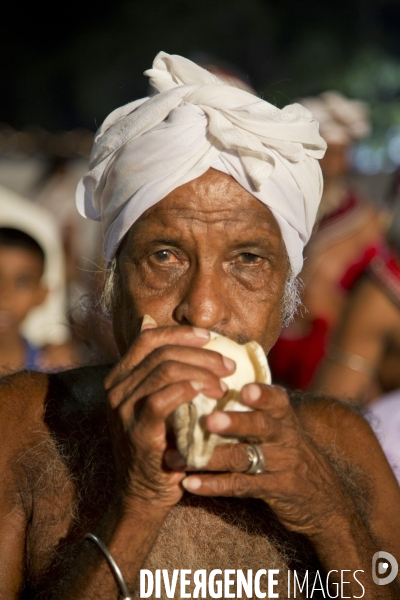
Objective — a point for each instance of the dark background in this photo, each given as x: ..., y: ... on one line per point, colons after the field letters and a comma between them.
x: 69, y: 66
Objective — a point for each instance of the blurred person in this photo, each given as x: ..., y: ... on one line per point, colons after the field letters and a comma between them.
x: 207, y: 197
x: 348, y: 234
x: 21, y: 290
x: 363, y: 360
x: 81, y: 240
x: 33, y: 271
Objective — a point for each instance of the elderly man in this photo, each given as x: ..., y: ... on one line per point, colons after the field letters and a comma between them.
x: 207, y: 196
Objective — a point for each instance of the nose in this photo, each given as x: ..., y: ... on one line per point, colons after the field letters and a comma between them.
x: 204, y: 302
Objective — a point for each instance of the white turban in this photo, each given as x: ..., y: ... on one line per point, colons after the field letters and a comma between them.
x: 341, y: 120
x: 149, y: 147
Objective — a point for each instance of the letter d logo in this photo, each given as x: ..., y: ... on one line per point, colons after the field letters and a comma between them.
x: 385, y: 559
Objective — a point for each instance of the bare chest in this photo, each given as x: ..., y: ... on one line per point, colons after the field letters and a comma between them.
x: 198, y: 535
x: 216, y: 544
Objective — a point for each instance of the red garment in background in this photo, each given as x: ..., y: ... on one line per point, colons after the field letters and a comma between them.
x: 355, y: 271
x: 294, y: 362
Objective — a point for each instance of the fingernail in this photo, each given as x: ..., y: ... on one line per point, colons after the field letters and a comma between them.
x: 229, y: 363
x: 224, y: 386
x: 191, y: 483
x: 201, y: 333
x: 197, y: 385
x: 251, y: 392
x: 219, y: 421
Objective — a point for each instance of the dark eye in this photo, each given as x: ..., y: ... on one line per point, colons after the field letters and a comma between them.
x: 248, y: 258
x: 165, y: 256
x: 162, y: 255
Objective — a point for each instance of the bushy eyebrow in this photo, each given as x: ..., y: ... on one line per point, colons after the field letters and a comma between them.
x: 260, y: 241
x: 144, y: 241
x: 164, y: 240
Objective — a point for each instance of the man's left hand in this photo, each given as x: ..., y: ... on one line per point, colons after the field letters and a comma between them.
x: 298, y: 483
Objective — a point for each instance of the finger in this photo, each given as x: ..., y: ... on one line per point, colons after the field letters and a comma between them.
x: 235, y: 459
x: 227, y: 457
x: 269, y: 398
x: 220, y: 365
x: 150, y: 339
x: 151, y: 424
x: 166, y: 374
x: 237, y: 485
x: 256, y: 425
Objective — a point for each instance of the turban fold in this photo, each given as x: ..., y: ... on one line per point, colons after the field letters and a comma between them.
x: 149, y: 147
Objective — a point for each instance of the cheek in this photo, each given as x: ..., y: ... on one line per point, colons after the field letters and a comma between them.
x: 258, y: 312
x: 138, y: 298
x: 149, y: 292
x: 274, y: 326
x: 263, y: 318
x: 23, y: 302
x: 155, y: 279
x: 124, y: 317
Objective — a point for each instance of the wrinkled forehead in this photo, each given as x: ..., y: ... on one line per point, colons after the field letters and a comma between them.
x: 213, y: 199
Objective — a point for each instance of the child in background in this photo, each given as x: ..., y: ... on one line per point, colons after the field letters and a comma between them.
x: 22, y: 262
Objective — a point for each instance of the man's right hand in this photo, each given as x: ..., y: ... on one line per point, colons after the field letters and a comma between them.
x: 164, y: 368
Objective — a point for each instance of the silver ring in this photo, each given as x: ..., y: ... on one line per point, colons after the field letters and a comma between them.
x: 256, y: 458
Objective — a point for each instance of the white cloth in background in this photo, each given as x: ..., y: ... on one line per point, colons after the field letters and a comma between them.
x: 341, y: 120
x: 384, y: 418
x: 45, y: 324
x: 149, y: 147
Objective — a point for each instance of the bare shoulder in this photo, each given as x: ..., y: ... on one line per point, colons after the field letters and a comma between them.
x: 336, y: 424
x: 322, y: 413
x: 47, y: 429
x: 21, y: 410
x: 342, y: 432
x: 22, y: 398
x: 30, y: 402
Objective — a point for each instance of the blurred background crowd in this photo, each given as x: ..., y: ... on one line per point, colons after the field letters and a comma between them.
x: 62, y: 73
